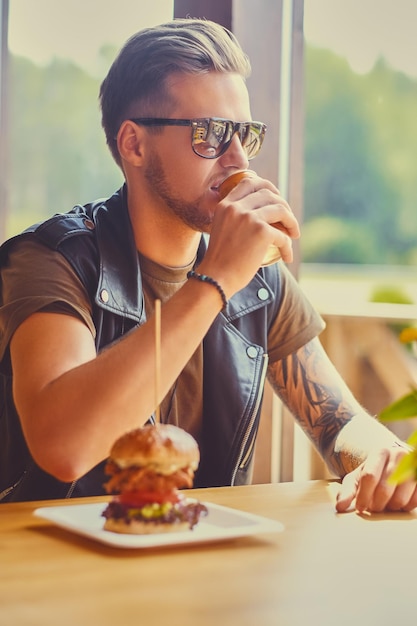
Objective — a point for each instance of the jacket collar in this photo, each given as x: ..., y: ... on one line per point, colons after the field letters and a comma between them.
x: 119, y: 288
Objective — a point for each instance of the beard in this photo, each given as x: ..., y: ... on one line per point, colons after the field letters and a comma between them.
x: 187, y: 212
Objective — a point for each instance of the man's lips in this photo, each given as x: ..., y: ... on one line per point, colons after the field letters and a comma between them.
x: 216, y: 185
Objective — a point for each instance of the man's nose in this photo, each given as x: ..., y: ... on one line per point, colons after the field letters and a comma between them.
x: 235, y: 154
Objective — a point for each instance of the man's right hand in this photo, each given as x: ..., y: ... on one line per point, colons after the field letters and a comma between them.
x: 251, y: 217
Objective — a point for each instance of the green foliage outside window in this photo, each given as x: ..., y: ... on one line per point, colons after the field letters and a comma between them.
x: 360, y: 191
x: 58, y: 155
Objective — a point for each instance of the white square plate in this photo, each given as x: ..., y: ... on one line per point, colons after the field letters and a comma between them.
x: 221, y: 523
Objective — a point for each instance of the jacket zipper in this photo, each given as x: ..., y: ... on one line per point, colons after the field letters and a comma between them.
x: 71, y: 489
x: 9, y: 490
x: 241, y: 460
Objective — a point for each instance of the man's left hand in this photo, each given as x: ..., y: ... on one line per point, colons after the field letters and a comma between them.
x: 368, y: 484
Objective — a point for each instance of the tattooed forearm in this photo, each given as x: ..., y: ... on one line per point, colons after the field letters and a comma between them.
x: 309, y: 385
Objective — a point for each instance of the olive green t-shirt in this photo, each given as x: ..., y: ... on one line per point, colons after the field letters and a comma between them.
x: 39, y: 279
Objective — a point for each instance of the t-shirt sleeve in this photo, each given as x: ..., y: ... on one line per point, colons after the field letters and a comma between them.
x: 39, y: 279
x: 297, y: 321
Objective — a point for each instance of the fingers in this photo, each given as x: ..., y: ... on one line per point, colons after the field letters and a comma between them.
x: 371, y: 487
x: 274, y: 210
x: 347, y: 492
x: 273, y: 223
x: 404, y: 497
x: 281, y: 218
x: 373, y: 490
x: 284, y: 244
x: 263, y: 198
x: 244, y: 220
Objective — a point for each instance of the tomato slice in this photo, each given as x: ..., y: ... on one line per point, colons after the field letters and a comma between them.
x: 141, y: 498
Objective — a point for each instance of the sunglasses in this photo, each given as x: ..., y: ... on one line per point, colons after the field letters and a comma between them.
x: 211, y: 136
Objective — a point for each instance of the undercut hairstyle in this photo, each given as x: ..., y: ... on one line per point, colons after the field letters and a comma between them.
x: 137, y: 82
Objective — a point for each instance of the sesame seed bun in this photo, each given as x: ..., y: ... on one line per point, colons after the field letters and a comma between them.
x: 164, y: 446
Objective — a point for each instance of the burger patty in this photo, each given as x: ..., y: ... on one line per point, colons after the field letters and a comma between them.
x: 146, y: 479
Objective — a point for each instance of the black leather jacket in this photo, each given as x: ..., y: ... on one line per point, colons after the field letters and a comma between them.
x: 97, y: 240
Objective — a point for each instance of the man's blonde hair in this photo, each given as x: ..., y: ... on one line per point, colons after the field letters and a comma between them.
x: 136, y: 84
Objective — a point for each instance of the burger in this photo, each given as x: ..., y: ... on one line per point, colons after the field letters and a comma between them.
x: 147, y: 467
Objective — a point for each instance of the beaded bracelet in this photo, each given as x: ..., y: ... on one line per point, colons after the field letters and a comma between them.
x: 208, y: 279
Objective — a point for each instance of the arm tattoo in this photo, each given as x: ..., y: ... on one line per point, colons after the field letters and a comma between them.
x: 316, y: 395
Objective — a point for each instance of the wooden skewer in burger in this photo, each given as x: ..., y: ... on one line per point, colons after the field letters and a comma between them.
x: 147, y: 467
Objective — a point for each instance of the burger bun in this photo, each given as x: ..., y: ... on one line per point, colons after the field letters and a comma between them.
x: 136, y: 527
x: 164, y: 446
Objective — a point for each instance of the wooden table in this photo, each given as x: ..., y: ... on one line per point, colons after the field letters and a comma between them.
x: 323, y: 569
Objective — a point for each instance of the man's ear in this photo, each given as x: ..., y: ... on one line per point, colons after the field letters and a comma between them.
x: 130, y: 142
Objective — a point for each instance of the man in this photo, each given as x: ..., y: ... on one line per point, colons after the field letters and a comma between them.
x: 77, y: 332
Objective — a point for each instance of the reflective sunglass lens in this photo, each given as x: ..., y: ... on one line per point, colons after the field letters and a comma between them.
x: 208, y: 138
x: 212, y: 137
x: 252, y: 141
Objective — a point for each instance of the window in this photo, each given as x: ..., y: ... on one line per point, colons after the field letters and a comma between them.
x: 59, y: 53
x: 360, y: 136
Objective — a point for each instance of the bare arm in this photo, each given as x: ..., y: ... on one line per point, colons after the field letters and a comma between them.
x: 354, y: 445
x: 74, y: 404
x: 319, y: 399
